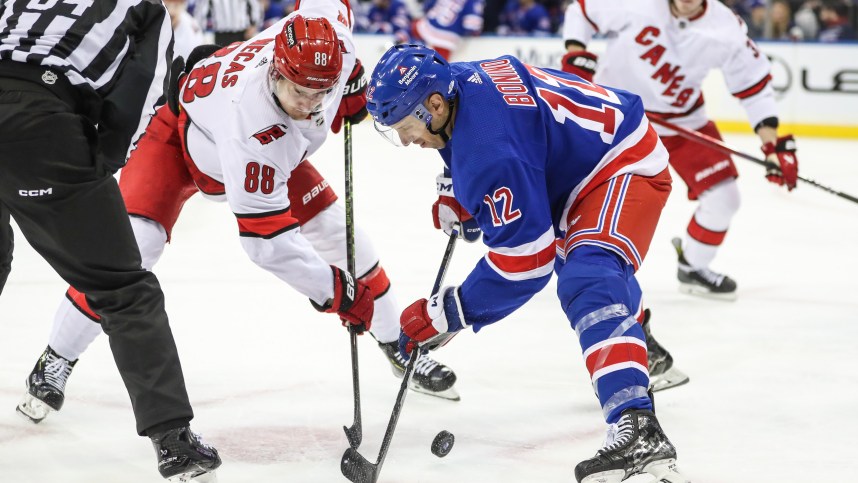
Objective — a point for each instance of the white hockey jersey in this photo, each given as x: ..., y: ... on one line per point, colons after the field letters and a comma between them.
x: 664, y: 59
x: 186, y: 36
x: 239, y: 136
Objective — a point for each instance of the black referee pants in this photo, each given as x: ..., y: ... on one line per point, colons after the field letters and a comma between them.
x: 71, y: 212
x: 7, y: 244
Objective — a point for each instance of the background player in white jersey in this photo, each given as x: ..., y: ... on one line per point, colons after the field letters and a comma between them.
x: 566, y: 177
x: 187, y: 33
x: 288, y: 82
x: 662, y: 50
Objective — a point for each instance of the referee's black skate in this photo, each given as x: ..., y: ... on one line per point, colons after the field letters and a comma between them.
x: 46, y: 386
x: 662, y: 374
x: 429, y: 376
x: 635, y: 445
x: 182, y: 456
x: 702, y: 281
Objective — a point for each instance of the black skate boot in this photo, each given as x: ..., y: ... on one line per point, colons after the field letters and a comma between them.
x: 635, y: 445
x: 46, y: 386
x: 662, y: 374
x: 429, y: 376
x: 182, y: 456
x: 702, y: 281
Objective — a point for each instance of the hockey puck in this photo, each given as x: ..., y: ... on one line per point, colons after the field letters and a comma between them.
x: 443, y: 443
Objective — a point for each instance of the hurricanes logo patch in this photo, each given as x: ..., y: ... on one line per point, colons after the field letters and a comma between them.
x: 270, y: 134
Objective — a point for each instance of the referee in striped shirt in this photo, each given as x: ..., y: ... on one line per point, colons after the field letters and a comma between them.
x: 79, y: 81
x: 230, y: 20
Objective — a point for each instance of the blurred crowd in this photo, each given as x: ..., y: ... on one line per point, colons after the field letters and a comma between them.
x: 417, y: 20
x: 820, y: 20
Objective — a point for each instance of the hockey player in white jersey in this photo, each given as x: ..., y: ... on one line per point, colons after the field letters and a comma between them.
x: 241, y: 128
x: 187, y: 33
x: 662, y: 50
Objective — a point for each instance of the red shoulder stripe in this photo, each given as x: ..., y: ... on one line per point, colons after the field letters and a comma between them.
x: 754, y: 89
x: 266, y: 225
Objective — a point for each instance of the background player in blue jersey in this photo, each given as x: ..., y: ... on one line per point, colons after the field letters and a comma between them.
x: 446, y: 23
x: 569, y: 177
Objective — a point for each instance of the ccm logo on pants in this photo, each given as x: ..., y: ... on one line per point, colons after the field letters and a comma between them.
x: 30, y: 193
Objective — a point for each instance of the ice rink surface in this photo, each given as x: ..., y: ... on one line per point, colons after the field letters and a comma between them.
x: 774, y: 375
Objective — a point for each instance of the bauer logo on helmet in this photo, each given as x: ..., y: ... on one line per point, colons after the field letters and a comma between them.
x: 290, y: 35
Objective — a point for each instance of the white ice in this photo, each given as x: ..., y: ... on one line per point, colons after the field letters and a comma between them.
x: 774, y: 375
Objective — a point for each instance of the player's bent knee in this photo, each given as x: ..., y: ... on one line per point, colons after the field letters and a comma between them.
x: 592, y: 279
x: 723, y: 197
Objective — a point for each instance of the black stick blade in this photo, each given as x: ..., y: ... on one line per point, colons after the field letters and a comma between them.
x: 356, y: 468
x: 354, y: 434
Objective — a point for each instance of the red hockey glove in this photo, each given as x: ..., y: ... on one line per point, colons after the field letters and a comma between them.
x: 446, y: 212
x: 353, y: 104
x: 784, y: 163
x: 580, y: 63
x: 353, y: 301
x: 435, y: 320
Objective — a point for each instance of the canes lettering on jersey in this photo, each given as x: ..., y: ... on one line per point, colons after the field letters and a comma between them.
x: 666, y: 73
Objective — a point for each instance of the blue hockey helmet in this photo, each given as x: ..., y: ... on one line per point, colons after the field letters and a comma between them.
x: 405, y: 76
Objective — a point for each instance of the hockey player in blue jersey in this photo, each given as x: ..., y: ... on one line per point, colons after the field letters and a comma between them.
x: 446, y: 23
x: 562, y: 176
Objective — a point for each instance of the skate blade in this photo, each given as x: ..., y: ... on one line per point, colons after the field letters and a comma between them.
x: 665, y: 471
x: 613, y: 476
x: 671, y: 378
x: 195, y: 477
x: 449, y: 394
x: 698, y: 291
x: 32, y: 409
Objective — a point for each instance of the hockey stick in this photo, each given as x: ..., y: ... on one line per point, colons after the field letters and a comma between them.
x: 354, y: 433
x: 720, y: 146
x: 353, y: 465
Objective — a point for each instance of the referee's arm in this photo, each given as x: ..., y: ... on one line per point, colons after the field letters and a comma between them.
x: 131, y: 98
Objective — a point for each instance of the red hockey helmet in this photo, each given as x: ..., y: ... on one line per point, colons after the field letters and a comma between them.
x: 308, y: 53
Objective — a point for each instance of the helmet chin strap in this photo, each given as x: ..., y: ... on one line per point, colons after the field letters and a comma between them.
x: 442, y: 131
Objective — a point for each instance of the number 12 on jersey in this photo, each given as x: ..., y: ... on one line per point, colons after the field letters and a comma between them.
x: 602, y: 118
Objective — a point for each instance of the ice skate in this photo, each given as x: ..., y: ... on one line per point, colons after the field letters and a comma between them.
x: 702, y: 281
x: 429, y: 376
x: 46, y: 386
x: 635, y: 445
x: 662, y: 374
x: 183, y: 457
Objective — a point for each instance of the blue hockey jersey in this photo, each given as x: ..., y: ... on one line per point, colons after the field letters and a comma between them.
x: 526, y: 144
x: 446, y: 21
